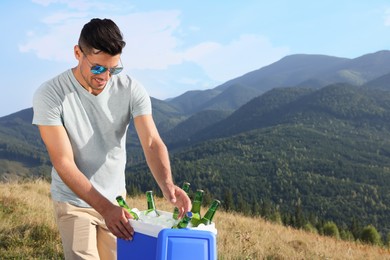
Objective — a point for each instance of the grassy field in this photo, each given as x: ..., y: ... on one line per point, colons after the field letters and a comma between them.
x: 28, y: 231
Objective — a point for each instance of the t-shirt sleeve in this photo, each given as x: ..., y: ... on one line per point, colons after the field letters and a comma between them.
x: 140, y: 100
x: 46, y: 107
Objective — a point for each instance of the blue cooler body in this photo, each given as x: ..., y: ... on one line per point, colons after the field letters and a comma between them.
x: 152, y: 242
x: 142, y: 247
x: 186, y: 244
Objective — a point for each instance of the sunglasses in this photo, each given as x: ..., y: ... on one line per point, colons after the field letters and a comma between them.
x: 98, y: 69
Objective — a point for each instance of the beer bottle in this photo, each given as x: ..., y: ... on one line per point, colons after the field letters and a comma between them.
x: 208, y: 217
x: 186, y: 188
x: 185, y: 221
x: 151, y: 204
x: 196, y: 208
x: 124, y: 205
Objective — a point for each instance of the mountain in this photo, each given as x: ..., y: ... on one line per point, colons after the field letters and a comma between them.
x: 22, y: 152
x: 262, y: 111
x: 301, y: 70
x: 165, y: 115
x: 360, y: 70
x: 193, y: 101
x: 382, y: 82
x: 19, y: 139
x: 231, y: 98
x: 295, y: 69
x: 289, y: 71
x: 181, y: 133
x: 291, y: 140
x: 285, y: 105
x: 327, y: 149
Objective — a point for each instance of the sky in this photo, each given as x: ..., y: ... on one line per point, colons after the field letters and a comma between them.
x: 175, y: 46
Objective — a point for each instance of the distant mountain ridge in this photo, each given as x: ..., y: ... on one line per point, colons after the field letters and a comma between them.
x: 281, y: 105
x: 294, y: 70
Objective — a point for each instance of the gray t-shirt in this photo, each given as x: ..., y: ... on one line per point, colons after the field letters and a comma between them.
x: 96, y: 127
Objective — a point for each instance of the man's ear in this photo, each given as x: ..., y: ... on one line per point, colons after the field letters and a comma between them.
x: 77, y: 52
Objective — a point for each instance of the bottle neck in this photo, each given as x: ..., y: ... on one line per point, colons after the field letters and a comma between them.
x: 211, y: 212
x: 186, y: 187
x: 150, y: 200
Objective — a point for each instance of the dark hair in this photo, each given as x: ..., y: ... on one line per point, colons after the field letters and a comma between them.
x: 102, y: 35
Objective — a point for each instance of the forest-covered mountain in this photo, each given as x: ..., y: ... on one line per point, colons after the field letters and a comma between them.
x: 303, y: 70
x: 324, y: 148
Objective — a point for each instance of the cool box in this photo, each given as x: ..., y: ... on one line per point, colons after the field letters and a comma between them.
x: 152, y: 242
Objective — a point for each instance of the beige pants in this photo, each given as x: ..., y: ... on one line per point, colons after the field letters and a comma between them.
x: 83, y: 232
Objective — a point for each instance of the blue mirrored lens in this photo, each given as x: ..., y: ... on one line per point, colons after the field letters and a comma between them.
x: 98, y: 69
x: 115, y: 71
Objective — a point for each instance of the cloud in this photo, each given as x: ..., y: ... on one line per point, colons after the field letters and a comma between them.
x: 84, y: 5
x: 44, y: 2
x: 150, y: 40
x: 188, y: 81
x: 387, y: 17
x: 62, y: 17
x: 154, y: 43
x: 149, y: 36
x: 247, y: 53
x: 56, y: 43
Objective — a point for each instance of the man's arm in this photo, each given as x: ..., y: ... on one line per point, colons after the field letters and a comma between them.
x: 157, y: 158
x: 61, y: 155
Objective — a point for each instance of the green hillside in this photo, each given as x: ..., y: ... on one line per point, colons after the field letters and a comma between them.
x: 327, y: 150
x: 304, y: 154
x: 21, y: 149
x: 181, y: 133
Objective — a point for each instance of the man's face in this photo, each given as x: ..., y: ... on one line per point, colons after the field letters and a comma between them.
x: 92, y: 82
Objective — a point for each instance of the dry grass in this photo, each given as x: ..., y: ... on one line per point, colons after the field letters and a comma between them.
x: 254, y: 238
x: 27, y: 228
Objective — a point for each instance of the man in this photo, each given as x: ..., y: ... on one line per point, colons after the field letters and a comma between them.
x: 83, y: 116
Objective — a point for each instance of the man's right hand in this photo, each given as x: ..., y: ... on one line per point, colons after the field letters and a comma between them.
x: 117, y: 221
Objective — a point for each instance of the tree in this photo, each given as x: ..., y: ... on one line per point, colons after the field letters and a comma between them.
x: 346, y: 235
x: 331, y: 229
x: 310, y: 228
x: 388, y: 240
x: 266, y: 209
x: 207, y: 198
x: 276, y: 217
x: 371, y: 236
x: 242, y: 206
x: 355, y: 228
x: 255, y: 208
x: 299, y: 218
x: 227, y: 202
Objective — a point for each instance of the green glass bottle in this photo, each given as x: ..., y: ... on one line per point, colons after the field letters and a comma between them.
x: 186, y: 188
x: 197, y: 203
x: 124, y: 205
x: 185, y: 221
x: 151, y: 204
x: 208, y: 217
